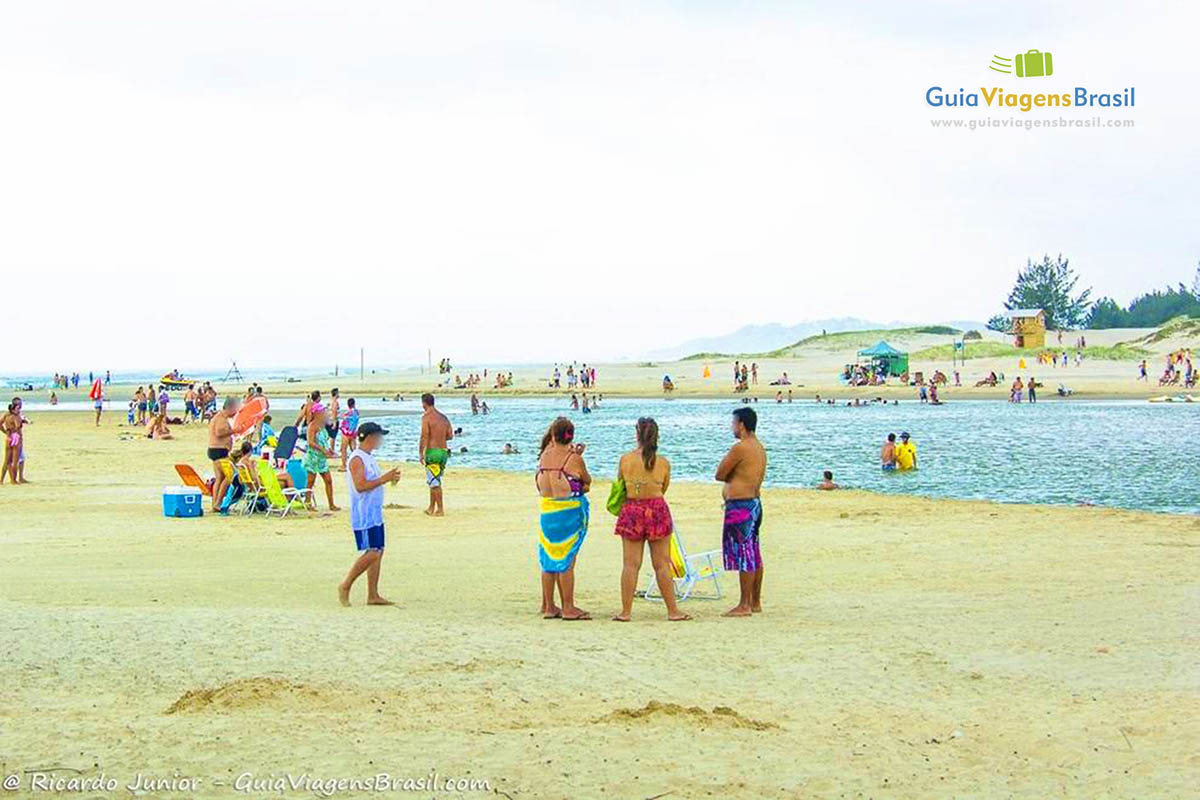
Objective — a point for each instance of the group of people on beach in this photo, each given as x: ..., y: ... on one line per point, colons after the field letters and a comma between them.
x: 71, y: 381
x: 1021, y: 390
x: 324, y: 428
x: 149, y: 407
x: 582, y: 376
x: 744, y: 376
x: 1056, y: 359
x: 643, y: 515
x: 563, y: 482
x: 1178, y: 368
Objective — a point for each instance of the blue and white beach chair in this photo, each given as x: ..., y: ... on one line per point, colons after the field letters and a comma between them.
x: 690, y: 569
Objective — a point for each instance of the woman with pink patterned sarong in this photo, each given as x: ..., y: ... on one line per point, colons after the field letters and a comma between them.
x: 645, y: 517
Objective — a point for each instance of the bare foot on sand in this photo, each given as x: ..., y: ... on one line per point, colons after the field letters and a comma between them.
x: 578, y: 615
x: 621, y: 618
x: 379, y: 600
x: 738, y: 611
x: 344, y: 595
x: 335, y: 508
x: 680, y: 617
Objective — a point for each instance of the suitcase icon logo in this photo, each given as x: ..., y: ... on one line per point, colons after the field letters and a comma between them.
x: 1030, y: 64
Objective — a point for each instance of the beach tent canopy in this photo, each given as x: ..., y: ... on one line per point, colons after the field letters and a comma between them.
x: 891, y: 359
x: 881, y: 349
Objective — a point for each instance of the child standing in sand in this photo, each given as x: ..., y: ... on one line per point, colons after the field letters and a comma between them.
x: 349, y: 430
x: 366, y: 513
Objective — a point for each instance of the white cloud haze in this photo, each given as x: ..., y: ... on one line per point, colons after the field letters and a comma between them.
x: 281, y: 183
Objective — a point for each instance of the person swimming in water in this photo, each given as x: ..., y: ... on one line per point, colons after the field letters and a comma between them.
x: 827, y: 484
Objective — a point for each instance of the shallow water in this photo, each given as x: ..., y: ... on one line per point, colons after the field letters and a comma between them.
x: 1123, y: 454
x: 1129, y: 455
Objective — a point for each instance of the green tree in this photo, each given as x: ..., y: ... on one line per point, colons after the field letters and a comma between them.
x: 1107, y: 314
x: 999, y: 323
x: 1146, y: 311
x: 1050, y: 286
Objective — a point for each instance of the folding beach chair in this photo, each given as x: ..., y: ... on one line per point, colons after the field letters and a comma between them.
x: 689, y: 569
x: 279, y: 499
x: 286, y: 444
x: 299, y: 476
x: 250, y: 491
x: 190, y: 477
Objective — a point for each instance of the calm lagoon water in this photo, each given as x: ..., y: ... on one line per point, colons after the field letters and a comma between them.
x: 1123, y: 454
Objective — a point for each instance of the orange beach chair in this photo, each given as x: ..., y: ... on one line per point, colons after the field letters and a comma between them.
x: 191, y: 478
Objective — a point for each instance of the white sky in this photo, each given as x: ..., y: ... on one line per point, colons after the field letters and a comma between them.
x: 284, y: 182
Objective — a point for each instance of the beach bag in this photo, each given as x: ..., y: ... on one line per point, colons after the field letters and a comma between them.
x: 616, y: 497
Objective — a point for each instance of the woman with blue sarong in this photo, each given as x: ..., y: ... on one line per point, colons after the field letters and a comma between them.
x: 563, y: 481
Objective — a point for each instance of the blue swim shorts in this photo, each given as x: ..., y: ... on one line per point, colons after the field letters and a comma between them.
x: 369, y: 539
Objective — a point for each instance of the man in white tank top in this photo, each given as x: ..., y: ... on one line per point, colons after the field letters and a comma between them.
x: 366, y: 513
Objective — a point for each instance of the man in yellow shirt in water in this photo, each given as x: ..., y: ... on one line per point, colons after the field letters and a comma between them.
x: 906, y: 453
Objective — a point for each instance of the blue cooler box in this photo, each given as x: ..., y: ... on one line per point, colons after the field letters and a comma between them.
x: 182, y: 501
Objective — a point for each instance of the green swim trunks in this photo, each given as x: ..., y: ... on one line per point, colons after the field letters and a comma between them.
x: 435, y: 466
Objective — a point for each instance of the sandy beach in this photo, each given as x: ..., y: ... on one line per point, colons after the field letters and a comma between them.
x: 909, y: 647
x: 813, y: 367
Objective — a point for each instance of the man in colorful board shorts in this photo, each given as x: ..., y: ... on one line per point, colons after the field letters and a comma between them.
x: 434, y: 451
x: 742, y: 471
x: 435, y: 466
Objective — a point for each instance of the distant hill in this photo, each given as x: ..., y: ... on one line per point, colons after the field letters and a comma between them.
x: 769, y: 338
x: 760, y: 338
